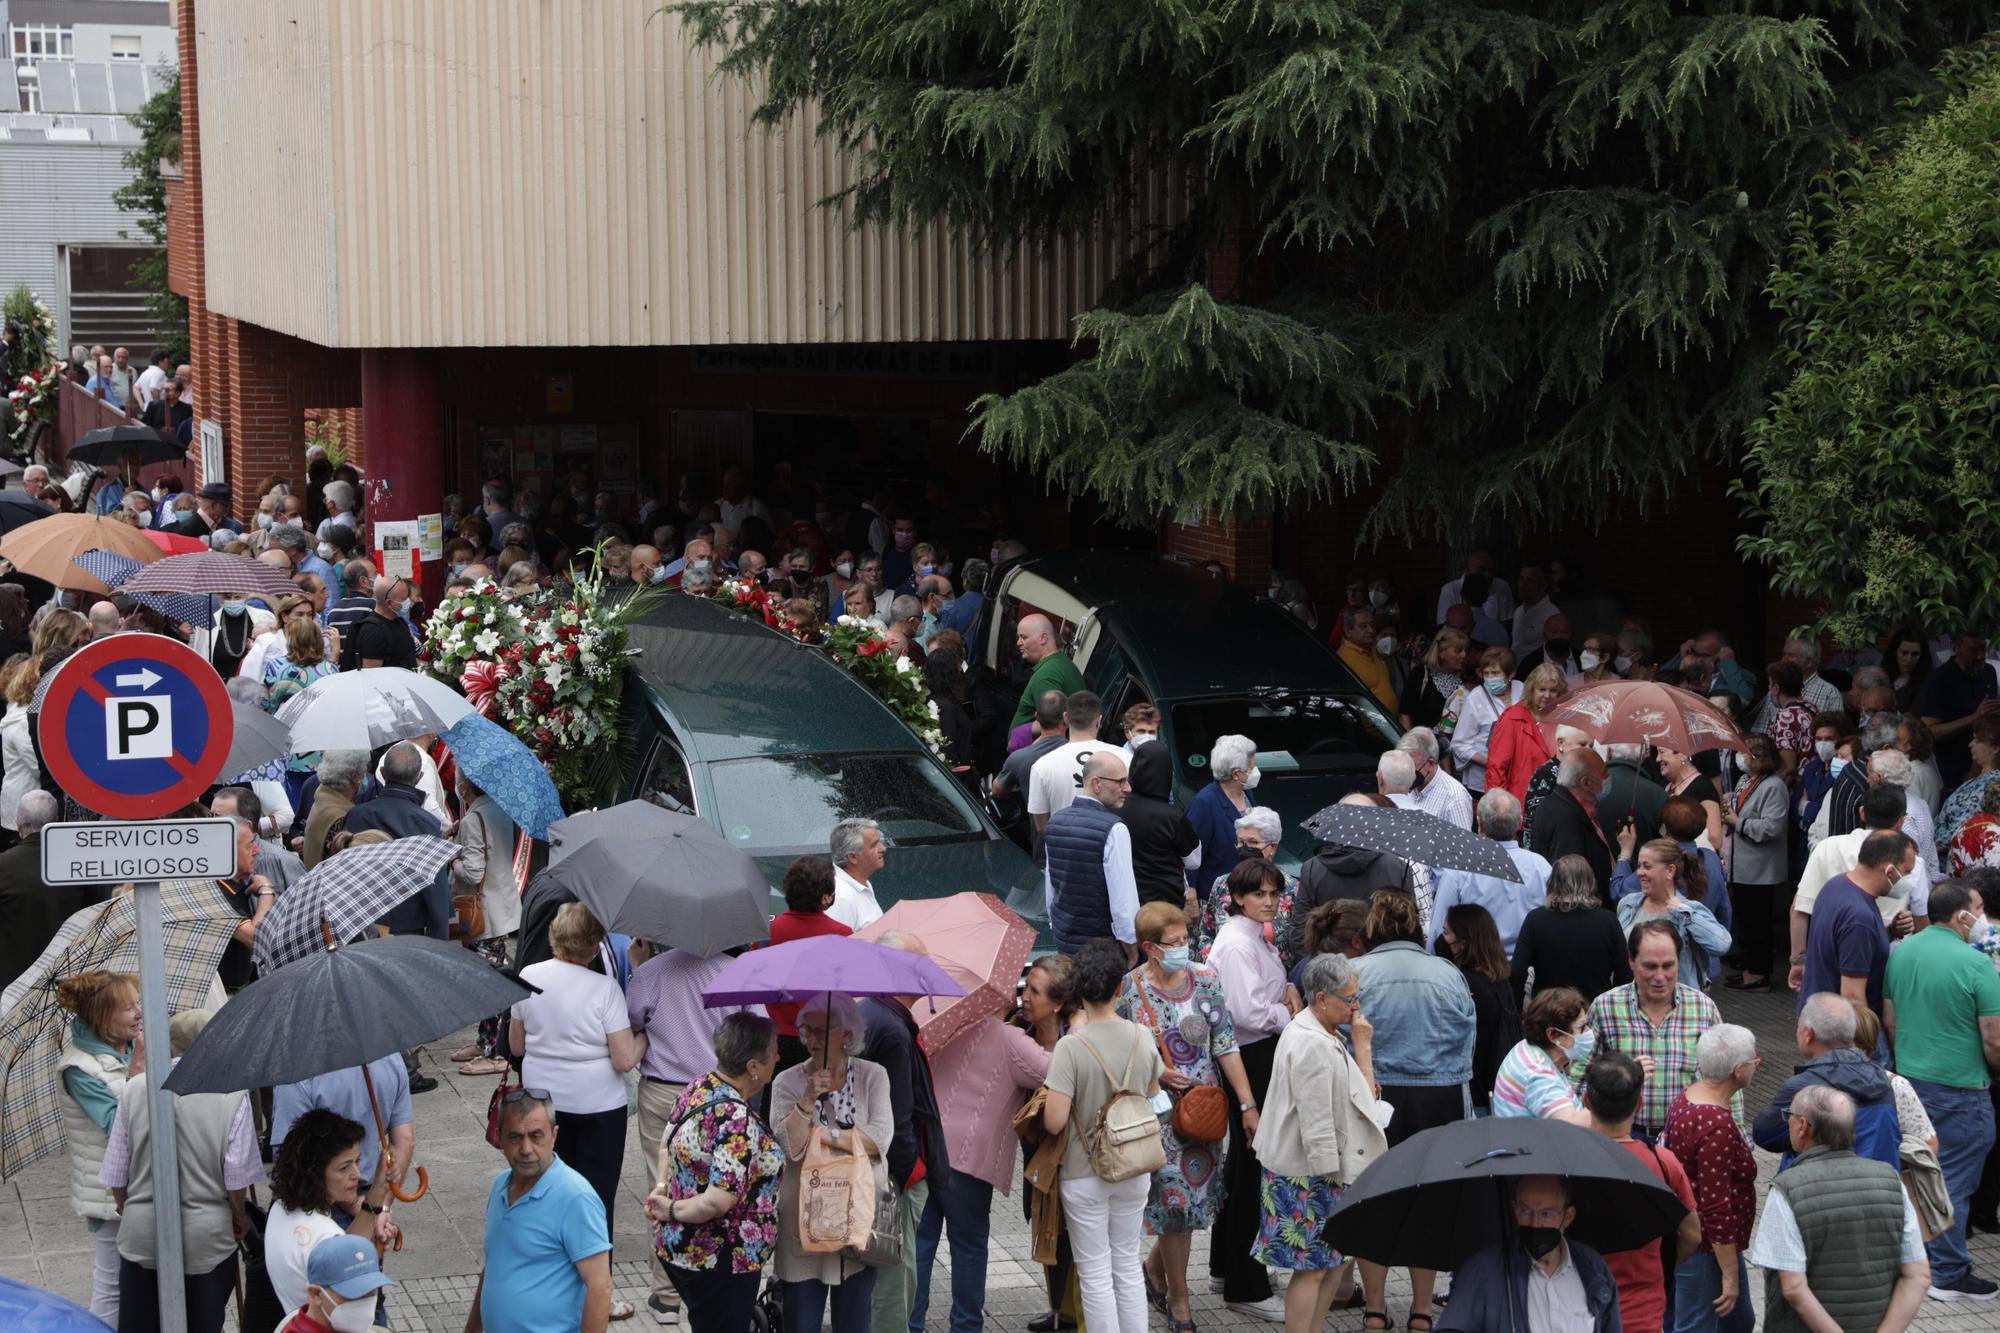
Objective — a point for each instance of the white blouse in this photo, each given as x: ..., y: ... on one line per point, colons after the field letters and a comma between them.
x: 1253, y: 979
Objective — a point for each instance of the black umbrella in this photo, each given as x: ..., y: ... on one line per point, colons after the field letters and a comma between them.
x: 681, y: 885
x: 1439, y: 1197
x: 102, y: 448
x: 1413, y: 835
x: 18, y: 508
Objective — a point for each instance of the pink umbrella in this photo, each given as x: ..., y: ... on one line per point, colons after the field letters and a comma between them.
x: 1643, y: 712
x: 977, y: 941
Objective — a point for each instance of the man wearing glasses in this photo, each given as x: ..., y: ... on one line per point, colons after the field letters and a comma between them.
x: 1560, y: 1285
x: 548, y: 1251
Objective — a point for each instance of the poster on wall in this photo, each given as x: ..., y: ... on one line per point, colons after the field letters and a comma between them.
x: 396, y: 547
x: 430, y: 536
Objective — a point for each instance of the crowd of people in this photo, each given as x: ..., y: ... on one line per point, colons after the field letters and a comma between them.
x: 1281, y: 1031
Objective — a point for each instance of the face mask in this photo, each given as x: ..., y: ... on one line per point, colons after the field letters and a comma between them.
x: 403, y: 607
x: 659, y: 574
x: 1583, y: 1047
x: 1139, y: 738
x: 1377, y: 598
x: 1252, y: 778
x: 926, y: 569
x: 1556, y: 650
x: 1539, y: 1242
x: 354, y: 1316
x: 1621, y: 664
x: 1589, y: 661
x: 845, y: 569
x: 905, y: 540
x: 326, y: 551
x: 1836, y: 766
x: 1824, y: 749
x: 159, y: 494
x: 701, y: 566
x: 1495, y: 685
x: 145, y: 518
x: 1386, y: 645
x: 457, y: 570
x: 235, y: 608
x: 1175, y: 959
x: 263, y: 520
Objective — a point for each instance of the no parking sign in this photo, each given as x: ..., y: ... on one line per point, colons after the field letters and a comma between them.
x: 135, y: 726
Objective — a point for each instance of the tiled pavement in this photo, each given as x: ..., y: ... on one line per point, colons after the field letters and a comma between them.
x: 42, y: 1242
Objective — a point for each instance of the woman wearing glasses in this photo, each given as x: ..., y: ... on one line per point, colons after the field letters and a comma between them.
x: 1534, y: 1078
x: 1317, y: 1134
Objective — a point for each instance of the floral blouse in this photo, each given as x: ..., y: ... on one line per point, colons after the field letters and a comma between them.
x: 725, y: 1144
x: 1791, y: 729
x: 1960, y: 807
x: 1976, y: 844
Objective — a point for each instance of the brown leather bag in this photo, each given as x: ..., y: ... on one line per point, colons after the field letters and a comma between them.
x: 468, y: 910
x: 1201, y: 1113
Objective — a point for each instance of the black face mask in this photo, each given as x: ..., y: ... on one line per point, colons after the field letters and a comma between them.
x: 1474, y: 588
x: 1540, y: 1241
x: 1556, y: 650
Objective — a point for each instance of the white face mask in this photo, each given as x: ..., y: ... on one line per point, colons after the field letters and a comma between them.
x: 1824, y: 749
x: 263, y: 520
x: 354, y: 1316
x: 1588, y: 660
x: 845, y: 569
x: 1377, y: 598
x: 1621, y: 664
x: 1386, y: 645
x: 1252, y: 778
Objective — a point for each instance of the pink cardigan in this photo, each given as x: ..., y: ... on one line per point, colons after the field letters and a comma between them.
x: 982, y: 1079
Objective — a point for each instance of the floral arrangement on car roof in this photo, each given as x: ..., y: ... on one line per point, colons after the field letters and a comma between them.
x: 551, y: 669
x: 863, y: 648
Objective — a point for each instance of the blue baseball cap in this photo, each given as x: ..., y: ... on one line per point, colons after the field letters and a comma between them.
x: 347, y: 1266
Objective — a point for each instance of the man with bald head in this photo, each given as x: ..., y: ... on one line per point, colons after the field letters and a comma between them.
x: 1092, y: 890
x: 1035, y: 638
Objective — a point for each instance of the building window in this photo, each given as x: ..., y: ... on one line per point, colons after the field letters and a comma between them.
x: 42, y: 41
x: 125, y: 47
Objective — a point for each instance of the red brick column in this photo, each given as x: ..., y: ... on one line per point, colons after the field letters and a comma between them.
x: 1241, y: 542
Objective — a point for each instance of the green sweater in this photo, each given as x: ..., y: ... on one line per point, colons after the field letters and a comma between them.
x: 1054, y: 672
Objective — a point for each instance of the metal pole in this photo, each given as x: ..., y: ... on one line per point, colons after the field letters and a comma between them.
x: 166, y: 1149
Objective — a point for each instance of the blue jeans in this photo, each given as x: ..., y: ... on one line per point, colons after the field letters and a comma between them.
x: 853, y: 1298
x: 1964, y: 1121
x: 1696, y: 1285
x: 963, y: 1205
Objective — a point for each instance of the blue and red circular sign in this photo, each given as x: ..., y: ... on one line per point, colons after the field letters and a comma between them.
x: 136, y: 726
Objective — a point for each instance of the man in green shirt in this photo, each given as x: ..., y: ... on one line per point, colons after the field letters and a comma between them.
x: 1941, y: 1005
x: 1036, y: 639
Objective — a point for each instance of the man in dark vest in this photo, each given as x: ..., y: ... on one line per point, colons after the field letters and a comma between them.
x: 1092, y: 893
x: 1838, y: 1241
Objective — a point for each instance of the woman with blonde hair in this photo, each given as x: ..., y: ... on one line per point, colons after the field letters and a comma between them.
x: 1520, y: 745
x: 293, y: 671
x: 104, y: 1050
x: 1430, y: 688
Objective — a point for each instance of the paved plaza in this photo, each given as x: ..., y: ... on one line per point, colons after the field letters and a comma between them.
x: 43, y: 1242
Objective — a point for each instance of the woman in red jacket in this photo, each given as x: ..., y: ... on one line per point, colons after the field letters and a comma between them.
x: 1519, y: 746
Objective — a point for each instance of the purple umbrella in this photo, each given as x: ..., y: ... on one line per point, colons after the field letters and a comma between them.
x: 800, y: 969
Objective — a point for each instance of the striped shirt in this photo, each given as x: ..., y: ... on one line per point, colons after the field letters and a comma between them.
x: 1531, y: 1083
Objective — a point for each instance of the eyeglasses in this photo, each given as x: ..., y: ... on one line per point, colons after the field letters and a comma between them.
x: 1537, y: 1217
x: 1351, y: 999
x: 513, y: 1095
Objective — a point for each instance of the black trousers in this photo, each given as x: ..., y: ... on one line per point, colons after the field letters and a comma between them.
x: 208, y: 1297
x: 1242, y: 1212
x: 715, y: 1300
x: 1763, y: 916
x: 593, y: 1144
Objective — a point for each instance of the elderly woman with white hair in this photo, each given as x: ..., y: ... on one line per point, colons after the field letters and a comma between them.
x: 1257, y: 833
x: 845, y: 1101
x: 1232, y: 771
x: 1711, y: 1288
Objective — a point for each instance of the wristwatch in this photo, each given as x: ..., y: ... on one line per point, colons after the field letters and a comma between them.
x: 1247, y: 1107
x: 368, y: 1207
x: 1798, y: 960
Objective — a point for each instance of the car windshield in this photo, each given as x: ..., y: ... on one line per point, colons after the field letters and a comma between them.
x: 1296, y: 732
x: 790, y: 803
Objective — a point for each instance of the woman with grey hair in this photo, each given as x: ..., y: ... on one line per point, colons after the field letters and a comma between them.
x: 339, y: 774
x: 1572, y: 940
x: 1711, y: 1288
x: 1233, y: 775
x: 1318, y: 1132
x: 846, y: 1100
x: 1257, y: 835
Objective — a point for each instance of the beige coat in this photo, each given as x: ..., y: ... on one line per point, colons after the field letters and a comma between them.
x: 1318, y: 1117
x: 876, y: 1122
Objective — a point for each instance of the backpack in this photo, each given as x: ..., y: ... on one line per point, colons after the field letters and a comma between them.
x: 1124, y: 1141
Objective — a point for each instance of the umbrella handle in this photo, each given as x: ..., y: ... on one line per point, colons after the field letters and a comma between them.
x: 423, y: 1187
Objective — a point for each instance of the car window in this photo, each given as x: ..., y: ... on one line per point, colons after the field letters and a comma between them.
x: 790, y: 803
x: 1295, y: 733
x: 666, y: 780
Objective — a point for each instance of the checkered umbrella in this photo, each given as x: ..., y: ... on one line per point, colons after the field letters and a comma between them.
x: 212, y: 573
x: 114, y: 569
x: 34, y: 1029
x: 348, y: 891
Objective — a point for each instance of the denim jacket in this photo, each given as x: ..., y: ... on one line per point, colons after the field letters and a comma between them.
x: 1422, y: 1013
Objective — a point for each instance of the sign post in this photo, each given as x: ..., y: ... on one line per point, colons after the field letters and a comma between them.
x: 136, y: 726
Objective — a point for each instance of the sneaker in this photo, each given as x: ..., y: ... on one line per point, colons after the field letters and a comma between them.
x: 1969, y: 1287
x: 664, y: 1311
x: 1271, y: 1308
x: 422, y: 1083
x: 1215, y: 1286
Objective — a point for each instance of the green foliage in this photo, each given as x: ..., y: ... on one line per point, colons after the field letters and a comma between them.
x: 28, y: 322
x: 159, y: 124
x: 1500, y: 257
x: 1872, y: 474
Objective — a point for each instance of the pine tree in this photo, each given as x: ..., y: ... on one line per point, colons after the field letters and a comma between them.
x: 1503, y: 257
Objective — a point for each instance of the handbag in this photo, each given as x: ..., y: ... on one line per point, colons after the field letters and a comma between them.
x: 884, y: 1248
x: 1124, y: 1141
x: 1201, y: 1113
x: 836, y: 1194
x: 468, y: 910
x: 493, y: 1108
x: 1923, y: 1181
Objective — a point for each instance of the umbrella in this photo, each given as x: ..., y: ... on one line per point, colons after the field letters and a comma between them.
x: 496, y: 762
x: 628, y: 819
x: 172, y: 543
x: 1643, y: 712
x: 114, y: 569
x: 110, y: 445
x: 1413, y: 835
x: 797, y: 970
x: 1437, y: 1198
x: 18, y: 508
x: 259, y: 740
x: 370, y: 708
x: 29, y: 1309
x: 212, y: 573
x: 48, y: 548
x: 688, y: 889
x: 975, y: 938
x: 33, y: 1028
x: 348, y: 892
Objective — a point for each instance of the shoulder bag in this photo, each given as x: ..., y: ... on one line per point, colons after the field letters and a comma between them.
x: 1124, y: 1141
x: 1201, y: 1113
x: 468, y: 910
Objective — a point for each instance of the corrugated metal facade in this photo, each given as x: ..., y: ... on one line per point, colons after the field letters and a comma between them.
x: 56, y: 195
x: 454, y: 173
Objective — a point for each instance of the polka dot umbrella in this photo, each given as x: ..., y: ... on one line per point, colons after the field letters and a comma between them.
x: 1414, y: 835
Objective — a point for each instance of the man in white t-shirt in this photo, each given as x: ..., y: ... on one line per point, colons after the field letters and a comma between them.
x: 1057, y: 777
x: 859, y: 850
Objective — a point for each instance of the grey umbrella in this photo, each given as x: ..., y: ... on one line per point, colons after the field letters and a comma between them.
x: 1413, y: 835
x: 259, y: 739
x: 628, y: 819
x: 681, y: 886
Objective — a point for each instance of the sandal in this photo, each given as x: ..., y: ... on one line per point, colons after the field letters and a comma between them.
x: 464, y: 1053
x: 1157, y: 1296
x: 1179, y: 1325
x: 1367, y: 1316
x: 623, y: 1309
x: 487, y: 1064
x: 1412, y: 1324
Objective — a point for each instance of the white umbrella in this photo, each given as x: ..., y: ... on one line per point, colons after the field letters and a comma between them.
x: 375, y: 706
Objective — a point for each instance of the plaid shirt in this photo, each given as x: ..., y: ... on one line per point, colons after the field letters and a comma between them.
x: 1622, y: 1025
